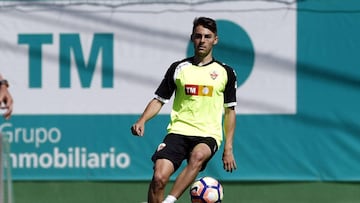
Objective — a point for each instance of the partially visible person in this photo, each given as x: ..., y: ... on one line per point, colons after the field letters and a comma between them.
x: 6, y: 100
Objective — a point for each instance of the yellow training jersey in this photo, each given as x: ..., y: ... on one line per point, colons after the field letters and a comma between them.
x: 201, y: 94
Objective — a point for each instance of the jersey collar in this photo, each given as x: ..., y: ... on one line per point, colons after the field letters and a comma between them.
x: 192, y: 62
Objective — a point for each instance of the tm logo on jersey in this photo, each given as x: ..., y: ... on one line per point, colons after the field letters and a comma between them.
x: 199, y: 90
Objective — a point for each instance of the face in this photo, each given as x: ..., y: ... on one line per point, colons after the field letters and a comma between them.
x: 204, y: 40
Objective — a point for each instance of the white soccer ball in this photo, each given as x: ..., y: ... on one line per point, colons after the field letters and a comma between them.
x: 206, y: 190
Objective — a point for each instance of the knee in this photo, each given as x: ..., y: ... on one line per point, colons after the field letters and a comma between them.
x: 199, y: 156
x: 159, y: 181
x: 197, y: 159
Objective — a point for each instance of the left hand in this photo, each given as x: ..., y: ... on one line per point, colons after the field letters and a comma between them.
x: 229, y: 161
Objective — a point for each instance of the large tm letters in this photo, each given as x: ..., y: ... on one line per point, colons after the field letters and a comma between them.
x: 70, y: 44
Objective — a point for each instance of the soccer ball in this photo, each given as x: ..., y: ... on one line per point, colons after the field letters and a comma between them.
x: 206, y: 190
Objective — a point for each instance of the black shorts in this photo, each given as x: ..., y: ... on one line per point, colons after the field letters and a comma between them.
x: 178, y: 148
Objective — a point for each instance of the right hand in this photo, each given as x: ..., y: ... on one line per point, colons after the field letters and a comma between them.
x: 6, y: 102
x: 137, y: 129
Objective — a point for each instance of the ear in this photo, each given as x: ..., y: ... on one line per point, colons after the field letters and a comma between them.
x: 216, y: 40
x: 192, y: 37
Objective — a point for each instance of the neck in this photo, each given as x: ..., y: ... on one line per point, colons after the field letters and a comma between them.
x: 200, y: 61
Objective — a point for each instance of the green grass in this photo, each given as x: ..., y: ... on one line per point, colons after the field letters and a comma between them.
x: 234, y: 192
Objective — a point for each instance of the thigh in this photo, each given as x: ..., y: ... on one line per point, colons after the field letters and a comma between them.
x: 173, y: 148
x: 203, y: 150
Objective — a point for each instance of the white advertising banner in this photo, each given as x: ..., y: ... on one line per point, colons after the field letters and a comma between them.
x: 109, y: 60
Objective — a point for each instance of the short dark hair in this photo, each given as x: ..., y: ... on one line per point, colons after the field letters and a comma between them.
x: 206, y: 22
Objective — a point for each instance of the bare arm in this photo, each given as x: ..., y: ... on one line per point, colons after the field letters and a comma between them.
x: 150, y: 111
x: 6, y: 100
x: 229, y: 128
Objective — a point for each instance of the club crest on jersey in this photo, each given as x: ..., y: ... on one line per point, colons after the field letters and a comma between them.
x: 199, y: 90
x: 213, y: 75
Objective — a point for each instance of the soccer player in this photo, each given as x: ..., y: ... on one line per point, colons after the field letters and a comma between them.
x: 205, y: 94
x: 6, y: 101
